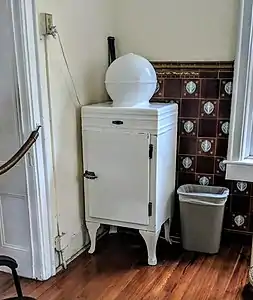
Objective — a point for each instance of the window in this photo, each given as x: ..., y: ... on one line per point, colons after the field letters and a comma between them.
x: 240, y: 150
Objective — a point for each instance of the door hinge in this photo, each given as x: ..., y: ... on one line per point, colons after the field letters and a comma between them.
x: 151, y: 149
x: 30, y: 159
x: 150, y: 206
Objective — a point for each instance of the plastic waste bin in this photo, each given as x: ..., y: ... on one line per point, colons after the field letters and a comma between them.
x: 201, y: 214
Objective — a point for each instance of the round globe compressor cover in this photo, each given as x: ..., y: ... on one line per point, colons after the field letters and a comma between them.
x: 130, y: 80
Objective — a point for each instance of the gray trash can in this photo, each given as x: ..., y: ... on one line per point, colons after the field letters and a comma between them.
x: 201, y: 214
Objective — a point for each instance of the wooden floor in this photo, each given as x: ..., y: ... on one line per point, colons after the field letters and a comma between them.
x: 118, y: 270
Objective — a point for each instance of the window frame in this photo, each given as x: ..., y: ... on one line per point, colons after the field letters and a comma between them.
x: 240, y: 159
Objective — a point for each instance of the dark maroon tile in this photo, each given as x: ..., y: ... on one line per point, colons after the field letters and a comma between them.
x: 206, y: 146
x: 251, y: 223
x: 207, y: 128
x: 188, y: 127
x: 240, y: 204
x: 239, y: 221
x: 191, y: 88
x: 187, y: 163
x: 187, y: 145
x: 226, y: 74
x: 227, y: 204
x: 251, y: 205
x: 178, y: 142
x: 226, y: 89
x: 223, y: 128
x: 177, y: 178
x: 205, y: 165
x: 222, y: 147
x: 186, y: 178
x: 227, y: 219
x: 224, y: 109
x: 208, y: 74
x: 190, y: 108
x: 172, y: 88
x: 220, y: 167
x: 241, y: 188
x: 210, y: 88
x: 220, y: 180
x: 160, y: 89
x: 204, y: 179
x: 208, y: 108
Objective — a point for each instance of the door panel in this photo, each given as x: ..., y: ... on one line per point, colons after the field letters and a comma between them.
x: 14, y: 180
x: 121, y: 163
x: 8, y: 109
x: 14, y: 206
x: 15, y: 235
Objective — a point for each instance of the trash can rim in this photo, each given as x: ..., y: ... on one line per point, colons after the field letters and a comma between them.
x: 225, y: 191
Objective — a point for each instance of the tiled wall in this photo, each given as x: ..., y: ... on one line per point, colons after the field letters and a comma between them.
x: 203, y: 92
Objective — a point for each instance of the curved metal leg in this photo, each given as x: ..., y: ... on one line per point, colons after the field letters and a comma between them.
x: 150, y: 239
x: 92, y: 229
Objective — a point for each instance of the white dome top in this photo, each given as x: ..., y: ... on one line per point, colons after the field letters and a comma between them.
x: 131, y: 68
x: 130, y: 80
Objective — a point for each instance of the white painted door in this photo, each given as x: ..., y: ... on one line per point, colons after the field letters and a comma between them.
x: 15, y: 235
x: 120, y: 161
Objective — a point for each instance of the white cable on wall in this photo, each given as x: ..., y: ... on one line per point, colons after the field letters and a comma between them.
x: 56, y: 35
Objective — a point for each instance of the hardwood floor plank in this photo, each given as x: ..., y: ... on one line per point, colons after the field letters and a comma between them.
x: 111, y: 275
x: 224, y: 270
x: 6, y: 283
x: 239, y: 277
x: 155, y: 290
x: 200, y: 280
x: 62, y: 287
x: 117, y: 285
x: 144, y: 279
x: 182, y: 277
x: 118, y: 270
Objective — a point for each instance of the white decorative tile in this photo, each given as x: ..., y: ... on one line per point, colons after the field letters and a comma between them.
x: 157, y: 87
x: 191, y: 87
x: 228, y: 87
x: 208, y: 108
x: 225, y: 127
x: 222, y: 166
x: 187, y: 163
x: 188, y: 126
x: 239, y: 220
x: 206, y: 146
x: 204, y: 180
x: 241, y: 186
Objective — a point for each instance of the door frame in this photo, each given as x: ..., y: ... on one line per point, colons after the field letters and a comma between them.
x: 26, y: 40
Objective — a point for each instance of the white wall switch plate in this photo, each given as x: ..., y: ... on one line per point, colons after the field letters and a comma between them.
x: 46, y: 23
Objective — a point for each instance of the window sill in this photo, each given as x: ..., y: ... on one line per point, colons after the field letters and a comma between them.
x: 241, y: 170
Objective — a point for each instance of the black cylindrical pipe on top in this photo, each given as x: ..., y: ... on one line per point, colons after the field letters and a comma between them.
x: 111, y: 49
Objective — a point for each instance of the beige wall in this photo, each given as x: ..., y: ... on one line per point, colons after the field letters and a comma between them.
x: 159, y: 30
x: 84, y: 26
x: 177, y: 29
